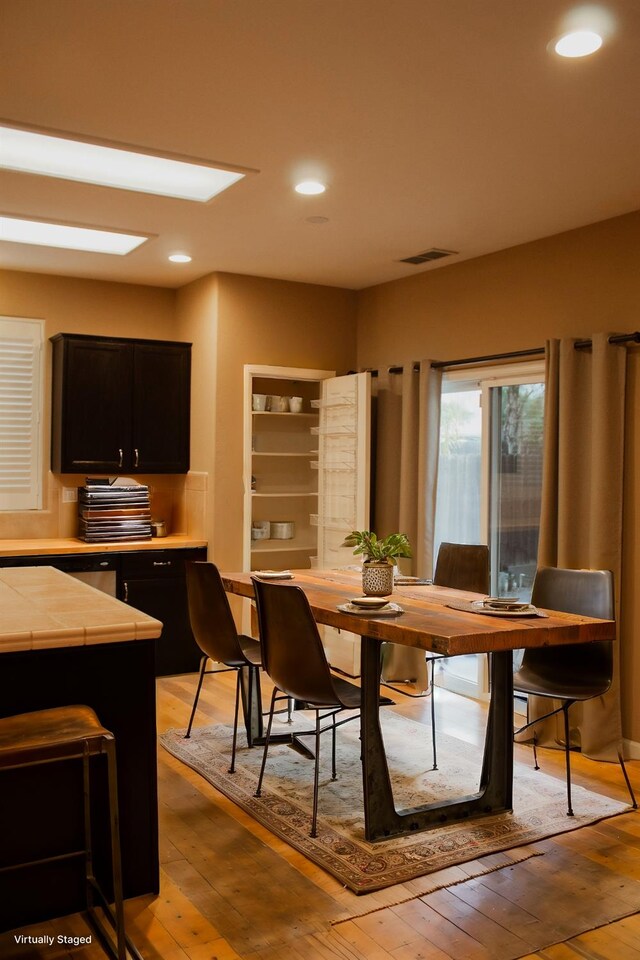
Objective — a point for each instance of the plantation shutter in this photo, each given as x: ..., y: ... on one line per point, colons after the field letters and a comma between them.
x: 20, y: 399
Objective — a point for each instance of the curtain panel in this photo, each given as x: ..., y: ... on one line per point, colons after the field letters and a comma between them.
x: 407, y: 438
x: 582, y: 500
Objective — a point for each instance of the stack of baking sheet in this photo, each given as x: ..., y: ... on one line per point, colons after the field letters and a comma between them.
x: 114, y: 511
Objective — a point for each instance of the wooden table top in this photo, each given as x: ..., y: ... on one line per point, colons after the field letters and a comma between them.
x: 427, y: 623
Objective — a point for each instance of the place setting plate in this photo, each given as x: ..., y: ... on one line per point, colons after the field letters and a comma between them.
x: 371, y: 607
x: 273, y: 574
x: 496, y: 607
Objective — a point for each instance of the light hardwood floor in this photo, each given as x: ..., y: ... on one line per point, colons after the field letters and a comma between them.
x: 230, y: 889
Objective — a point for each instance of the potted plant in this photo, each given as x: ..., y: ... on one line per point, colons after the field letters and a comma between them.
x: 378, y: 558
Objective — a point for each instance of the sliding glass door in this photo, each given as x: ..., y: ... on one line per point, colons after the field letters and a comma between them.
x: 489, y: 485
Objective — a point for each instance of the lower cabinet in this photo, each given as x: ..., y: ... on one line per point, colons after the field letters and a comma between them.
x: 154, y: 582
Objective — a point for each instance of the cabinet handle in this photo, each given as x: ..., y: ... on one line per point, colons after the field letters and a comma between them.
x: 121, y: 456
x: 137, y: 463
x: 162, y: 563
x: 126, y: 592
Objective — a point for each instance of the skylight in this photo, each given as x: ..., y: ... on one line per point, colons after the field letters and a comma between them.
x: 45, y: 234
x: 53, y: 156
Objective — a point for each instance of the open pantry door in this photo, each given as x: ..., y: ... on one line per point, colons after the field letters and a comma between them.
x: 344, y: 441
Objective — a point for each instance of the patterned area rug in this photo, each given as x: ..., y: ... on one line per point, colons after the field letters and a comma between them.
x: 340, y: 847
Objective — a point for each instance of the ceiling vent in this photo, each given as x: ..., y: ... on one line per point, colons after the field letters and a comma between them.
x: 433, y: 254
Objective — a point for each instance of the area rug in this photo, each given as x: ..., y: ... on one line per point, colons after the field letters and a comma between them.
x: 340, y: 847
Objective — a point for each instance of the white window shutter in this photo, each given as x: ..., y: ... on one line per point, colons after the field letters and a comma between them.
x: 20, y: 403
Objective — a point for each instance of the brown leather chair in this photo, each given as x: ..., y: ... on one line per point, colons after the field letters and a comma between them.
x: 294, y: 659
x: 62, y: 734
x: 577, y: 672
x: 462, y: 566
x: 217, y: 636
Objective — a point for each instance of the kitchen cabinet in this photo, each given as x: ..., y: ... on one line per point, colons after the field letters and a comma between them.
x: 308, y: 470
x: 155, y: 583
x: 120, y: 405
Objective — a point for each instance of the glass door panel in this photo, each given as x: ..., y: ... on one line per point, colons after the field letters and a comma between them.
x: 489, y: 488
x: 515, y: 484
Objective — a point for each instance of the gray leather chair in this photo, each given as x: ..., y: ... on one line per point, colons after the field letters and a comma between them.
x: 576, y: 672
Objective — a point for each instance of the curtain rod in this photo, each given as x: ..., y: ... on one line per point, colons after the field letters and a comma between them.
x: 534, y: 351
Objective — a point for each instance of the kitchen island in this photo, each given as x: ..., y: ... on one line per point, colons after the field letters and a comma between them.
x: 62, y: 643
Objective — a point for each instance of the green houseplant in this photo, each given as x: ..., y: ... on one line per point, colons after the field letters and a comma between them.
x: 378, y: 555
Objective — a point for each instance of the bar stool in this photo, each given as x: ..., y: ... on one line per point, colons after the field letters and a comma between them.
x: 65, y: 733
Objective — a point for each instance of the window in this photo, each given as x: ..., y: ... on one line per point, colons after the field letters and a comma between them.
x: 20, y: 413
x: 489, y: 484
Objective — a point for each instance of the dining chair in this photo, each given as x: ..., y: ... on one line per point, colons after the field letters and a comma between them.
x: 293, y: 657
x: 573, y: 673
x: 217, y: 636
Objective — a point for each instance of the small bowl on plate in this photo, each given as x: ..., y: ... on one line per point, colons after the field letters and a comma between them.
x: 369, y: 603
x: 504, y: 603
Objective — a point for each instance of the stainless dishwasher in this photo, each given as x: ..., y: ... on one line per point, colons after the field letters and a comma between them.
x: 97, y: 572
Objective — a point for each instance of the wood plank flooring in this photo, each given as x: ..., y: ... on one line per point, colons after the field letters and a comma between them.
x: 232, y: 891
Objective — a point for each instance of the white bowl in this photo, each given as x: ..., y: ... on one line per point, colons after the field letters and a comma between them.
x: 372, y: 603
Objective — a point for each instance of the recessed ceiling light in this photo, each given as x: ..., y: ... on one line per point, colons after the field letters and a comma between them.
x: 46, y: 234
x: 180, y: 258
x: 310, y: 187
x: 55, y: 156
x: 578, y: 43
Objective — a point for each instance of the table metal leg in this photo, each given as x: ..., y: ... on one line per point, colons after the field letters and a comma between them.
x: 251, y: 704
x: 382, y: 820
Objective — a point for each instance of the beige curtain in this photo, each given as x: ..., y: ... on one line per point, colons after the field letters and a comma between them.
x: 406, y: 473
x: 581, y: 517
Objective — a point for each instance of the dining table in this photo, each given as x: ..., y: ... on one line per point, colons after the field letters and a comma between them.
x: 447, y: 622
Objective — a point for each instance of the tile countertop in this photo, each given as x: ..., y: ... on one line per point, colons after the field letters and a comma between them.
x: 71, y: 545
x: 41, y: 608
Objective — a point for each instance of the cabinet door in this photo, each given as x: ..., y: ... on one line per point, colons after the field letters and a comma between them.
x: 161, y: 405
x: 344, y: 472
x: 154, y: 581
x: 166, y: 600
x: 91, y: 422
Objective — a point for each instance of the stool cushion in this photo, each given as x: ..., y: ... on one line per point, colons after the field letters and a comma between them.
x: 50, y: 734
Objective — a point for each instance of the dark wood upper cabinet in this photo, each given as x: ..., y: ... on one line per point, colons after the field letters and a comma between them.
x: 120, y: 405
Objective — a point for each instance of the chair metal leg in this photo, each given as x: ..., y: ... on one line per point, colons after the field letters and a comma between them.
x: 88, y: 839
x: 316, y: 778
x: 232, y: 768
x: 115, y: 915
x: 266, y: 742
x: 334, y: 772
x: 567, y: 755
x: 627, y: 781
x: 433, y: 711
x: 203, y: 663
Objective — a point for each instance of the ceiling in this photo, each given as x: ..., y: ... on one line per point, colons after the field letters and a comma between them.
x: 434, y: 124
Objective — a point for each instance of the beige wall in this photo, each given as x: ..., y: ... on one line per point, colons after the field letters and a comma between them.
x: 70, y: 305
x: 573, y: 285
x: 261, y: 321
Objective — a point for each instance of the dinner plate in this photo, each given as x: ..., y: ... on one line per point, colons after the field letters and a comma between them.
x: 412, y: 582
x: 390, y: 610
x: 527, y: 611
x: 273, y: 575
